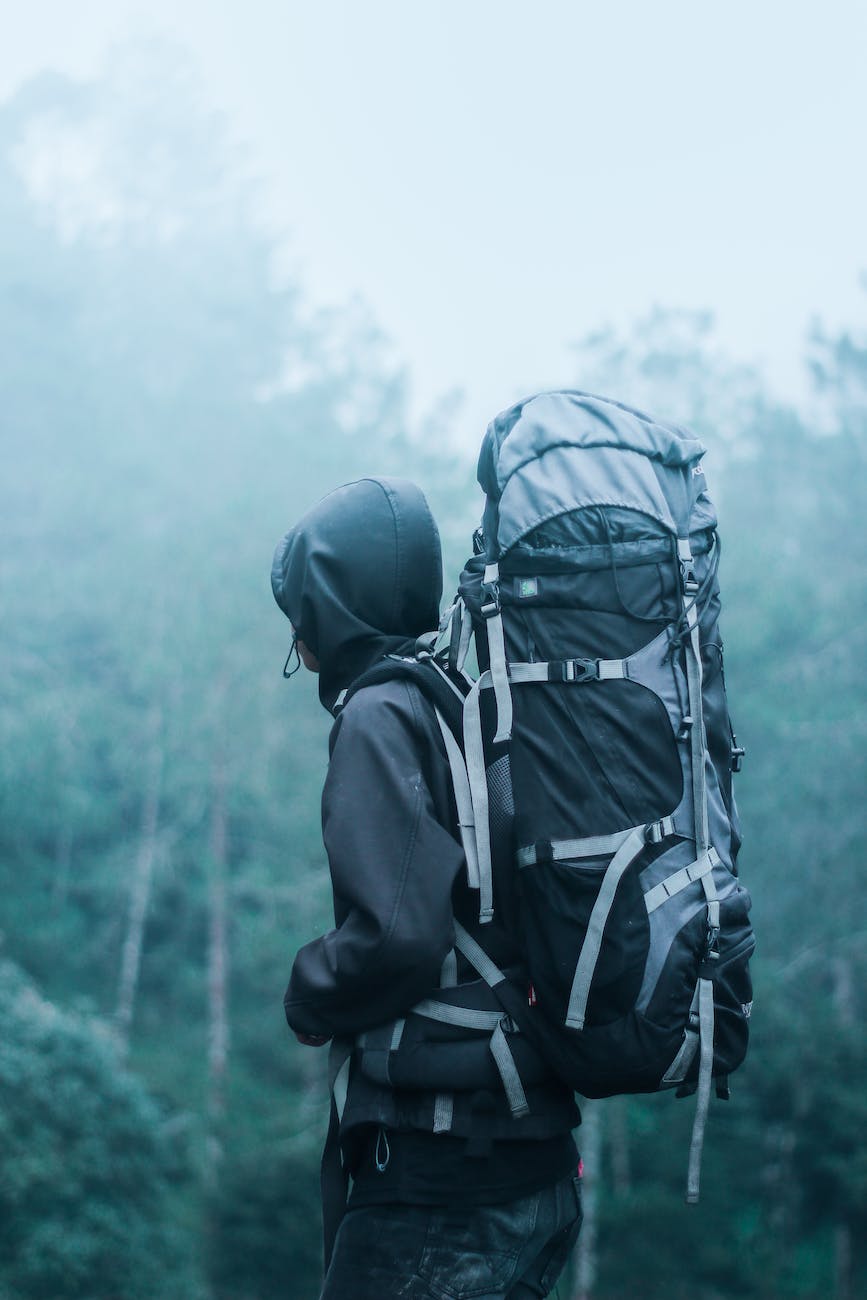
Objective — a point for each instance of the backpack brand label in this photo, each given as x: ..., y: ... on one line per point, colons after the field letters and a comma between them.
x: 526, y: 588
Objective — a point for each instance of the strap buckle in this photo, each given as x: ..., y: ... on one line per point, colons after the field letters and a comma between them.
x: 491, y: 606
x: 655, y: 833
x: 737, y: 754
x: 688, y: 580
x: 574, y: 670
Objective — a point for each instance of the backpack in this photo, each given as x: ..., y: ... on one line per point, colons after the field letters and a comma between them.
x: 599, y: 723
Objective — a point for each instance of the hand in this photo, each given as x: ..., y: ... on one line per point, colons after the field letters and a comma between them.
x: 311, y: 1040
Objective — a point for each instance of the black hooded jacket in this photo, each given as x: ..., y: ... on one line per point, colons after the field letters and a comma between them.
x: 360, y: 577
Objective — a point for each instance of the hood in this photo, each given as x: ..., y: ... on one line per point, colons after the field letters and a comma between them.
x: 359, y: 577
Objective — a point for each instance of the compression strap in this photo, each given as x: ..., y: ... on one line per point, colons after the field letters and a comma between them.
x: 463, y: 801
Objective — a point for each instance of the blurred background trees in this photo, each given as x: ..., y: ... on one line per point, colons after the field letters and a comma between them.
x: 169, y: 406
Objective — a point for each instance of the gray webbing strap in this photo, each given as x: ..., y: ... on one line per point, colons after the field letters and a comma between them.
x: 500, y: 1050
x: 694, y: 684
x: 444, y: 675
x: 590, y: 846
x: 497, y: 653
x: 463, y: 1017
x: 444, y: 1103
x: 339, y: 1057
x: 709, y: 886
x: 474, y: 754
x: 508, y: 1071
x: 397, y: 1034
x: 463, y: 801
x: 477, y: 957
x: 447, y: 622
x: 587, y: 958
x: 676, y: 1072
x: 705, y: 1076
x: 706, y: 1036
x: 449, y: 972
x: 607, y: 670
x: 444, y: 1110
x: 466, y: 635
x: 528, y: 673
x: 666, y: 889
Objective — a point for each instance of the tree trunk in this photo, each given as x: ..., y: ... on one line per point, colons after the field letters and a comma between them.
x: 618, y: 1133
x: 585, y: 1261
x: 846, y: 1015
x: 843, y: 1262
x: 140, y: 889
x: 218, y: 963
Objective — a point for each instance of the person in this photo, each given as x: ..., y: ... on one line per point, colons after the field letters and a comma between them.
x: 483, y: 1204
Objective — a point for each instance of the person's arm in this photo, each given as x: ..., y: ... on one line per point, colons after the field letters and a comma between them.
x: 393, y: 865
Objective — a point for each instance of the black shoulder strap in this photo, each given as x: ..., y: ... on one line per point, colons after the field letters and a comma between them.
x: 443, y: 690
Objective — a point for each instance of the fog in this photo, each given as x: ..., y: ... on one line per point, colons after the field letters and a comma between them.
x: 246, y: 258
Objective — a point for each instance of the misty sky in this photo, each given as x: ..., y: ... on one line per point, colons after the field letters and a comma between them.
x: 497, y: 178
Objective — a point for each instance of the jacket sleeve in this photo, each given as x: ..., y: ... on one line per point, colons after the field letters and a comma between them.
x: 393, y: 864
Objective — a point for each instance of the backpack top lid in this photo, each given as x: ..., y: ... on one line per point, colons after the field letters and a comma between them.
x: 560, y: 451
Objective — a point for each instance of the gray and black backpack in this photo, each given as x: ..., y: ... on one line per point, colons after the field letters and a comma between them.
x: 595, y: 750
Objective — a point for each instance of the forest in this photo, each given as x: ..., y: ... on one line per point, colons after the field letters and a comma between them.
x: 170, y: 404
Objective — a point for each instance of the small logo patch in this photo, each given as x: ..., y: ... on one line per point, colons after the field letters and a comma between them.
x: 747, y: 1008
x: 527, y: 587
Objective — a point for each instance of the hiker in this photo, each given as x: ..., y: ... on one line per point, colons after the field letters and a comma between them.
x: 457, y: 1189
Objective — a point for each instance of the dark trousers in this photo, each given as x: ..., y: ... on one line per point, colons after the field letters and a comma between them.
x: 514, y: 1251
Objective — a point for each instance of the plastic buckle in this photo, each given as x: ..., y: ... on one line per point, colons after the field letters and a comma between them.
x: 654, y: 833
x: 688, y: 578
x: 685, y: 728
x: 577, y: 670
x: 491, y: 607
x: 737, y: 755
x: 711, y: 953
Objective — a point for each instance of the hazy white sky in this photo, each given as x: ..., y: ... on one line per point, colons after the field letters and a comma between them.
x: 497, y: 178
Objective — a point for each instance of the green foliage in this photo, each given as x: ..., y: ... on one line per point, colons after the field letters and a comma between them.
x: 90, y: 1174
x: 169, y: 408
x: 264, y: 1228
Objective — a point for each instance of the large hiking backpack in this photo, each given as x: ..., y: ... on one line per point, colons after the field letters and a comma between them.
x: 599, y: 723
